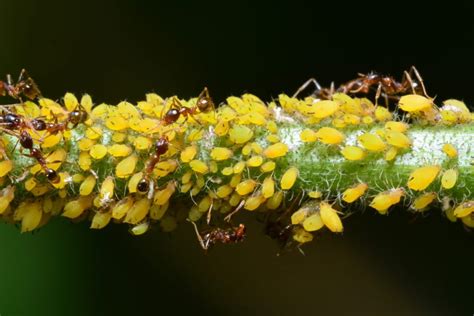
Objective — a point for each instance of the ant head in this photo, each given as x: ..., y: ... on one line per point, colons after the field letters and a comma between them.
x: 143, y: 185
x: 52, y: 175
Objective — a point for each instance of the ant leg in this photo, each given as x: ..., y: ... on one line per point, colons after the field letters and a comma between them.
x: 198, y: 235
x: 407, y: 77
x: 228, y: 217
x: 305, y: 85
x: 420, y: 79
x: 377, y: 94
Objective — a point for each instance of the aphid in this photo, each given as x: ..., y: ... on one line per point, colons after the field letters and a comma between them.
x: 330, y: 136
x: 384, y: 200
x: 397, y: 139
x: 246, y: 187
x: 224, y: 236
x: 24, y: 86
x: 140, y: 228
x: 372, y: 142
x: 276, y: 150
x: 464, y: 209
x: 422, y: 177
x: 221, y: 153
x: 421, y: 202
x: 161, y: 147
x: 268, y: 187
x: 353, y: 153
x: 330, y: 218
x: 449, y: 178
x: 352, y: 194
x: 450, y: 150
x: 289, y: 178
x: 100, y: 220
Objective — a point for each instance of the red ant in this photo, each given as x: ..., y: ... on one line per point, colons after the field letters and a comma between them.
x: 51, y: 174
x: 204, y: 103
x: 74, y: 118
x: 224, y: 236
x: 24, y: 86
x: 161, y: 147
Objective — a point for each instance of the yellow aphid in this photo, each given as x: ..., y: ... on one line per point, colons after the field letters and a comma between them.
x: 195, y: 135
x: 122, y: 207
x: 5, y: 167
x: 75, y: 208
x: 272, y: 126
x: 289, y: 178
x: 422, y: 177
x: 414, y: 103
x: 353, y: 153
x: 325, y: 108
x: 119, y: 150
x: 40, y: 189
x: 313, y: 222
x: 87, y: 186
x: 235, y: 199
x: 367, y: 120
x: 355, y: 192
x: 140, y: 229
x: 275, y: 200
x: 199, y: 166
x: 273, y: 138
x: 138, y: 211
x: 308, y: 135
x: 372, y: 142
x: 6, y: 196
x: 246, y: 150
x: 268, y: 166
x: 205, y: 204
x: 118, y: 137
x: 468, y: 221
x: 98, y: 151
x: 221, y: 153
x: 31, y: 217
x: 302, y: 236
x: 382, y: 114
x: 142, y: 143
x: 126, y: 166
x: 384, y: 200
x: 276, y: 150
x: 222, y: 128
x: 188, y: 153
x: 94, y: 132
x: 338, y: 123
x: 51, y: 140
x: 240, y: 134
x: 315, y: 194
x: 396, y: 126
x: 162, y: 196
x: 246, y: 187
x: 256, y: 118
x: 449, y: 178
x: 255, y: 161
x: 458, y: 111
x: 224, y: 191
x: 77, y: 178
x: 85, y: 161
x: 158, y: 211
x: 254, y: 202
x: 300, y: 215
x: 239, y: 167
x: 450, y: 150
x: 464, y: 209
x: 329, y: 135
x: 268, y: 187
x: 30, y: 184
x: 186, y: 177
x: 107, y: 190
x: 397, y: 139
x: 85, y: 144
x: 256, y: 147
x: 351, y: 119
x: 227, y: 171
x: 423, y: 201
x: 391, y: 153
x: 186, y: 187
x: 100, y: 220
x: 330, y: 218
x: 235, y: 180
x: 116, y: 123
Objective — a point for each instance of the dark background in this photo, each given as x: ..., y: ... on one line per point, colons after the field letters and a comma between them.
x: 115, y: 50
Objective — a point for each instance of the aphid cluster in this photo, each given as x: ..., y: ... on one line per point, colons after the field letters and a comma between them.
x: 129, y: 163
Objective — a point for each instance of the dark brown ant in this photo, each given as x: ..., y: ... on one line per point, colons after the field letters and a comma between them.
x: 204, y: 104
x: 24, y: 86
x: 225, y: 236
x: 74, y: 118
x: 51, y: 174
x: 161, y: 147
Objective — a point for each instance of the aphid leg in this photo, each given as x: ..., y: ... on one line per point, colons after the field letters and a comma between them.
x: 229, y: 217
x: 305, y: 85
x: 198, y: 235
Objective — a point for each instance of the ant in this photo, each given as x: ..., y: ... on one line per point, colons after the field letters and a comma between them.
x: 386, y: 85
x: 74, y: 118
x: 24, y: 86
x: 161, y: 147
x: 204, y: 104
x: 224, y: 236
x: 51, y: 174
